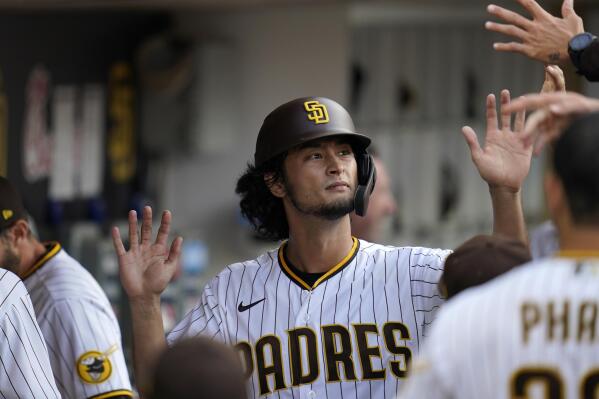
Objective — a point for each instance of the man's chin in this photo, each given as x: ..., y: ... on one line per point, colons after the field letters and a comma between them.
x: 332, y: 208
x: 336, y: 210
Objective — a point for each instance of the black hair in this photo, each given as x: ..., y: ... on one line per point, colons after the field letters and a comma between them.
x: 576, y: 163
x: 258, y: 205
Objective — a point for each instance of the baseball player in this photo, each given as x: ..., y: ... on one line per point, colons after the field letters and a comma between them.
x: 532, y: 332
x: 325, y: 314
x: 25, y: 370
x: 76, y: 319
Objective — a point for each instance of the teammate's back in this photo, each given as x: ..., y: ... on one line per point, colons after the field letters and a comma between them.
x: 79, y: 327
x: 532, y: 330
x: 25, y: 370
x: 62, y: 278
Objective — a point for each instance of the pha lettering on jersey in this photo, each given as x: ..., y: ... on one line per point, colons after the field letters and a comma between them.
x: 338, y: 345
x: 559, y: 321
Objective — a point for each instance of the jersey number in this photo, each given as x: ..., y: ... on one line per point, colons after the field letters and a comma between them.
x: 552, y: 383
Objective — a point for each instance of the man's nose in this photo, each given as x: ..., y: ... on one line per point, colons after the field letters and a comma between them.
x: 334, y: 164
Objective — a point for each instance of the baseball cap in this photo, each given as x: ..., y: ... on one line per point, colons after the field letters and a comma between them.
x: 11, y: 206
x: 481, y: 259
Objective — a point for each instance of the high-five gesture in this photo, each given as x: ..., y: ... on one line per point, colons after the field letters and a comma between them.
x: 145, y: 270
x: 147, y: 267
x: 504, y: 161
x: 553, y: 113
x: 544, y: 37
x: 554, y: 80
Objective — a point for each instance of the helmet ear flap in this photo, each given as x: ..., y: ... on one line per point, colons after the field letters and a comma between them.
x: 366, y: 182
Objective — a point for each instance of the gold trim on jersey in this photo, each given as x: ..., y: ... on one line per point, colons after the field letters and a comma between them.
x: 578, y: 254
x: 332, y: 271
x: 112, y: 394
x: 54, y: 248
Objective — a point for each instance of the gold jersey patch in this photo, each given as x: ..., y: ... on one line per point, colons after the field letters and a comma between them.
x: 317, y: 112
x: 94, y: 367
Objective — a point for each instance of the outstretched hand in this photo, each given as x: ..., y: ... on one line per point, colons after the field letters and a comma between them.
x: 554, y: 111
x: 544, y: 37
x: 147, y: 267
x: 504, y: 161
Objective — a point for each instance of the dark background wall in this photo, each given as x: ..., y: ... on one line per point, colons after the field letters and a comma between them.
x: 76, y: 47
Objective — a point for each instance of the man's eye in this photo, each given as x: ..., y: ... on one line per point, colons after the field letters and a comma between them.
x: 345, y: 152
x: 315, y: 155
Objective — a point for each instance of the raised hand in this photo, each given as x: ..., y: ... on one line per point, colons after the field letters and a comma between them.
x: 554, y: 80
x: 147, y: 267
x: 554, y: 111
x: 544, y: 37
x: 504, y: 161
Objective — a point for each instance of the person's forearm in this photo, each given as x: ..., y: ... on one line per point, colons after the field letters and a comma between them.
x: 508, y: 217
x: 148, y: 340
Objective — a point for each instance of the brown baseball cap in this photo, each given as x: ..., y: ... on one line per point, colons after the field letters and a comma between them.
x: 479, y: 260
x: 11, y: 205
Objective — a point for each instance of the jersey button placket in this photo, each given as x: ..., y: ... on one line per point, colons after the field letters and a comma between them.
x: 307, y: 315
x: 311, y: 395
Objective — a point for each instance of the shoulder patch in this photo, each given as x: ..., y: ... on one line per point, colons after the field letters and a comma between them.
x: 94, y: 367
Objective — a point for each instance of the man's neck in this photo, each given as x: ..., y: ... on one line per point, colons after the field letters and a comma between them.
x: 34, y: 251
x: 316, y: 245
x: 580, y: 239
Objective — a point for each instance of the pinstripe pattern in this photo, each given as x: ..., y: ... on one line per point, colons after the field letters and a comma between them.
x: 477, y: 345
x: 379, y: 284
x: 25, y: 370
x: 76, y: 318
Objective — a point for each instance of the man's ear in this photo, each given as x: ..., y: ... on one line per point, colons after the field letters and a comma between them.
x: 276, y: 186
x: 20, y: 231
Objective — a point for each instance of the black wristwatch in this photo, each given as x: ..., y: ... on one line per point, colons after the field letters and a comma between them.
x: 577, y: 45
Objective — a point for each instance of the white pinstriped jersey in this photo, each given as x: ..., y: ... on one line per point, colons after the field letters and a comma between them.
x: 529, y: 334
x: 25, y: 370
x: 80, y: 328
x: 349, y: 335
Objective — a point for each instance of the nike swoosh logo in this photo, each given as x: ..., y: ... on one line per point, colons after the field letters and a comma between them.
x: 243, y: 308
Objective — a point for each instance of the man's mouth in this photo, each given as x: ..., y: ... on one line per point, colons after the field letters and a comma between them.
x: 340, y: 185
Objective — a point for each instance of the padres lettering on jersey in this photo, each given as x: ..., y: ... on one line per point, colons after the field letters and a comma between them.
x: 25, y: 370
x: 352, y: 332
x: 531, y: 332
x: 79, y: 326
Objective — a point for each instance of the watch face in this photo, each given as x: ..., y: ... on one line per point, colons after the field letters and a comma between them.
x: 581, y: 41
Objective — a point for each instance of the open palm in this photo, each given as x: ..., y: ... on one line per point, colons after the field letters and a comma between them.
x: 504, y: 161
x: 147, y: 267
